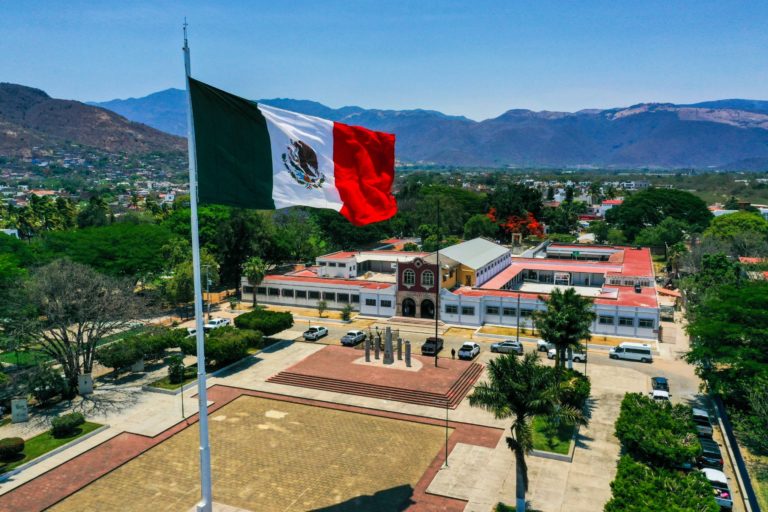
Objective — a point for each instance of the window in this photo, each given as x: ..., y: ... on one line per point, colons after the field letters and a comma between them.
x: 287, y: 292
x: 342, y: 265
x: 645, y: 323
x: 356, y: 298
x: 342, y: 297
x: 323, y: 263
x: 451, y: 309
x: 509, y: 311
x: 491, y: 310
x: 370, y: 302
x: 274, y: 291
x: 525, y: 312
x: 386, y: 303
x: 427, y: 278
x: 627, y: 321
x: 261, y: 290
x: 314, y: 295
x: 301, y: 294
x: 331, y: 264
x: 467, y: 310
x: 329, y: 296
x: 409, y: 276
x: 247, y: 289
x: 606, y: 320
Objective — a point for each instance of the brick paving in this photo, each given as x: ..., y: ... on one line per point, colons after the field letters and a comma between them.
x: 269, y: 453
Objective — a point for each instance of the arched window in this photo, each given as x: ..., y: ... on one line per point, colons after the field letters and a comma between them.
x: 409, y: 277
x: 427, y: 278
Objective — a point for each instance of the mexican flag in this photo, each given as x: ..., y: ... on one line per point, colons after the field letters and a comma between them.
x: 252, y: 155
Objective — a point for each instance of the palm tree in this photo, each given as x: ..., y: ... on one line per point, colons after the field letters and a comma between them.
x: 565, y: 322
x: 521, y: 388
x: 254, y: 270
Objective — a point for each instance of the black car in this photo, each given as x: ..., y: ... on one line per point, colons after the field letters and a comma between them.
x: 659, y: 384
x: 432, y: 346
x: 710, y: 457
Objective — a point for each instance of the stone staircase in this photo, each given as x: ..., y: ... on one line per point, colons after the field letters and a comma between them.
x: 453, y: 397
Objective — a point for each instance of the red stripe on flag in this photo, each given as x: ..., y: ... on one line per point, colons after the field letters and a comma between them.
x: 364, y: 169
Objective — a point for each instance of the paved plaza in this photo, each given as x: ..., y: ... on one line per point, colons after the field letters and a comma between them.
x: 270, y: 455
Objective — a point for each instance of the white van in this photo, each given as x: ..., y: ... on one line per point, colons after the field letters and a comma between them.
x: 633, y: 352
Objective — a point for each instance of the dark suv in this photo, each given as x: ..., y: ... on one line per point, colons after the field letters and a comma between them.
x: 710, y: 455
x: 432, y: 346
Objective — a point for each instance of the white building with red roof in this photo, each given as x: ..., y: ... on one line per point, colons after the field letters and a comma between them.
x: 620, y: 281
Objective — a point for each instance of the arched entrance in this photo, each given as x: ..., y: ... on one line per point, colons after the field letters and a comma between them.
x: 409, y: 307
x: 427, y: 309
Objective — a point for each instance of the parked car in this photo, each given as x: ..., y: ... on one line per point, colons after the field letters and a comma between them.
x: 469, y: 350
x: 432, y: 346
x: 352, y: 338
x: 543, y: 346
x: 703, y: 424
x: 578, y: 355
x: 315, y: 333
x: 215, y: 323
x: 719, y: 482
x: 508, y: 347
x: 710, y: 457
x: 658, y: 394
x: 632, y: 352
x: 660, y: 384
x: 191, y: 331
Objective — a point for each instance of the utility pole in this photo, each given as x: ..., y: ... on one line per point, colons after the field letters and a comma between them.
x: 438, y: 280
x: 518, y: 318
x: 208, y: 291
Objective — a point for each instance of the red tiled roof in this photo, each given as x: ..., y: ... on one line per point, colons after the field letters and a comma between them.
x: 342, y: 255
x: 626, y: 296
x: 613, y: 201
x: 331, y: 282
x: 750, y: 260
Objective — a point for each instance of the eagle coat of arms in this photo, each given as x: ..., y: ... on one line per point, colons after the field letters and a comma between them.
x: 300, y: 160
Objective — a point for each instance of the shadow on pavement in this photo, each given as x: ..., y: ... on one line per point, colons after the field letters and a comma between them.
x: 389, y: 500
x: 279, y: 345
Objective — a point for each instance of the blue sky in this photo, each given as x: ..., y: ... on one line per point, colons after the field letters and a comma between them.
x: 476, y: 58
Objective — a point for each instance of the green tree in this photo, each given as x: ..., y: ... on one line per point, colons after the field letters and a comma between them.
x: 746, y: 233
x: 565, y: 322
x: 480, y: 225
x: 729, y: 337
x: 255, y: 269
x: 657, y: 432
x: 521, y: 388
x: 616, y: 237
x: 641, y: 488
x: 600, y: 229
x: 321, y: 307
x: 667, y: 233
x: 649, y: 207
x: 180, y: 288
x: 95, y: 213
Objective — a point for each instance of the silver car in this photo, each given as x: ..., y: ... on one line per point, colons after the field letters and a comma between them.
x: 508, y: 347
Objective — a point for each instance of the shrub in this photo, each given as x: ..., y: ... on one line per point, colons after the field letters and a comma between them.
x: 223, y: 345
x: 267, y: 322
x: 346, y: 313
x: 66, y: 425
x: 640, y: 488
x: 45, y: 382
x: 575, y: 389
x: 11, y: 447
x: 321, y: 307
x: 657, y: 432
x: 176, y: 369
x: 119, y: 354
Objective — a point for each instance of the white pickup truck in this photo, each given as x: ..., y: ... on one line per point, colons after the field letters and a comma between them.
x: 215, y: 323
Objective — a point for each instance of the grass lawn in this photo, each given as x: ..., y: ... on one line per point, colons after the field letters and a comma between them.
x: 123, y: 334
x: 45, y: 442
x: 190, y: 374
x: 24, y: 358
x: 558, y: 444
x: 506, y: 331
x: 757, y: 465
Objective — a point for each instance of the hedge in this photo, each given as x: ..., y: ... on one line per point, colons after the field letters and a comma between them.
x: 223, y: 346
x: 575, y: 389
x: 66, y: 425
x: 11, y: 447
x: 267, y: 322
x: 119, y: 354
x: 640, y: 488
x: 657, y: 432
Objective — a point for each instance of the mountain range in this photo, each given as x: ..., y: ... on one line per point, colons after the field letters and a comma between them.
x: 31, y: 120
x: 730, y: 133
x: 722, y: 134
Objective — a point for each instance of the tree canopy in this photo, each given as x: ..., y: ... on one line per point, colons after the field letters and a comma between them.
x: 651, y: 206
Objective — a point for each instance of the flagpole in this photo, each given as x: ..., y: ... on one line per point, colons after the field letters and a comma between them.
x: 206, y: 502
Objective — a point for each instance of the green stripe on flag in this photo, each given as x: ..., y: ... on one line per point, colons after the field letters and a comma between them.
x: 234, y: 159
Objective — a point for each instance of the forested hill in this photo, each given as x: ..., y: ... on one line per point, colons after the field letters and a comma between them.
x: 29, y: 118
x: 729, y: 134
